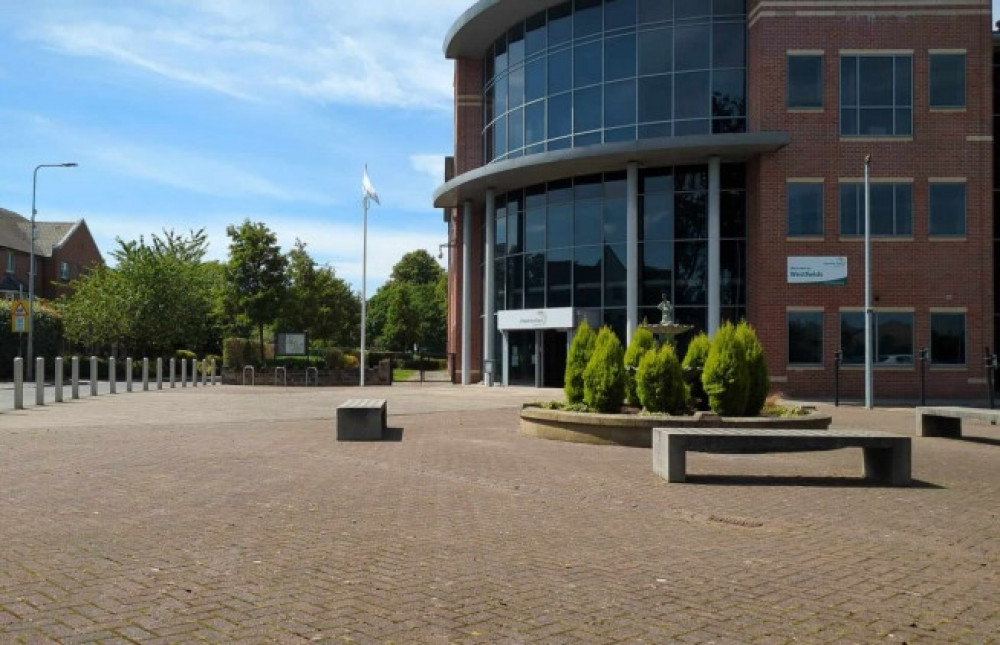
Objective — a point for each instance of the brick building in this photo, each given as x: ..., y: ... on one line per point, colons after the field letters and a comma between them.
x: 610, y: 154
x: 63, y: 250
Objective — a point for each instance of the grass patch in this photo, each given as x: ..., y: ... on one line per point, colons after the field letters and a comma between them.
x: 400, y: 374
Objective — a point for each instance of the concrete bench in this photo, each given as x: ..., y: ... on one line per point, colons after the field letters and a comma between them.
x: 361, y: 420
x: 947, y: 421
x: 886, y: 456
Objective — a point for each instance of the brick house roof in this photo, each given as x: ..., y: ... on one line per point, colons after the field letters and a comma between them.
x: 15, y: 233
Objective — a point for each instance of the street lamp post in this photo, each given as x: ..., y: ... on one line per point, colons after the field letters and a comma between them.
x: 868, y: 285
x: 31, y: 260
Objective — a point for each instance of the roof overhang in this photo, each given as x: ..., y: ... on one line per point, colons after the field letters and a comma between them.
x: 512, y: 174
x: 482, y: 23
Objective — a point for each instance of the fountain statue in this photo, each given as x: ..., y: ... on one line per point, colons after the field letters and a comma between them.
x: 667, y: 327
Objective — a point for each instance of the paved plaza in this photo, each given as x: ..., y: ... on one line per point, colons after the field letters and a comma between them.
x: 231, y: 514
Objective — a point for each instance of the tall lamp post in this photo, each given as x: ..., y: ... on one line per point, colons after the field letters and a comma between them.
x: 868, y: 285
x: 31, y: 261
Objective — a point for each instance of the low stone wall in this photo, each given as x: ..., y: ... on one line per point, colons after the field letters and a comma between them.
x: 637, y: 431
x: 297, y: 377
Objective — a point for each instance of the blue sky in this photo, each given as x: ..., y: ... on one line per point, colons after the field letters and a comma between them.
x: 199, y: 114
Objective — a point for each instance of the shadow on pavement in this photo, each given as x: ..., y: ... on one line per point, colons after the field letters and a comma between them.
x: 817, y: 482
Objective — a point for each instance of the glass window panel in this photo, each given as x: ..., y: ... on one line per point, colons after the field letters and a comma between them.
x: 729, y: 124
x: 559, y: 226
x: 535, y: 39
x: 729, y: 45
x: 560, y: 66
x: 615, y: 185
x: 619, y: 104
x: 588, y: 18
x: 893, y: 338
x: 729, y: 93
x: 690, y: 273
x: 488, y: 105
x: 534, y: 280
x: 619, y: 14
x: 560, y: 117
x: 500, y: 234
x: 691, y: 216
x: 589, y: 139
x: 947, y: 82
x: 904, y: 122
x: 500, y: 283
x: 691, y: 178
x: 515, y: 88
x: 849, y: 81
x: 805, y: 338
x: 500, y: 55
x: 805, y: 209
x: 657, y: 265
x: 534, y: 79
x: 733, y: 213
x: 851, y: 213
x: 655, y: 51
x: 654, y: 98
x: 852, y: 337
x: 733, y: 176
x: 515, y: 282
x: 615, y: 220
x: 805, y: 82
x: 691, y: 47
x: 875, y: 121
x: 692, y: 9
x: 904, y: 209
x: 534, y: 228
x: 729, y: 7
x: 881, y: 209
x: 560, y: 23
x: 559, y: 273
x: 587, y: 223
x: 588, y: 64
x: 587, y: 109
x: 655, y: 131
x: 488, y: 144
x: 654, y: 10
x: 588, y: 187
x: 849, y: 121
x: 903, y: 66
x: 515, y: 45
x: 875, y: 75
x: 948, y: 339
x: 560, y: 191
x: 488, y: 69
x: 515, y: 130
x: 947, y: 209
x: 587, y: 276
x: 732, y: 269
x: 500, y: 96
x: 619, y: 57
x: 691, y: 95
x: 657, y: 216
x: 515, y: 239
x: 660, y: 180
x: 534, y: 123
x: 615, y: 275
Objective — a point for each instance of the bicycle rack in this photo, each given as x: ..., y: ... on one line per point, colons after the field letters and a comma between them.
x: 284, y: 376
x: 315, y: 372
x: 248, y: 367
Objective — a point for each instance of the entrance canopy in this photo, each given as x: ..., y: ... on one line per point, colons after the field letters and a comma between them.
x: 565, y: 318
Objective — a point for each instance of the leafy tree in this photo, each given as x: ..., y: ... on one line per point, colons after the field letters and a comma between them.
x: 760, y: 380
x: 411, y: 307
x: 642, y: 341
x: 604, y: 376
x: 576, y: 361
x: 726, y: 378
x: 318, y: 302
x: 256, y: 273
x: 416, y: 267
x: 660, y: 382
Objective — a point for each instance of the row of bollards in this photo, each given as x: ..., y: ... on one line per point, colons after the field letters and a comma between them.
x: 208, y: 376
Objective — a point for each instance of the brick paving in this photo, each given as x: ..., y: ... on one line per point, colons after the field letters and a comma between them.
x: 231, y: 514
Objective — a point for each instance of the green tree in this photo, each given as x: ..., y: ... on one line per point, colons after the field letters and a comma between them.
x: 726, y: 378
x: 416, y: 267
x: 604, y: 376
x: 576, y: 361
x: 697, y: 351
x: 642, y: 341
x: 256, y: 273
x: 411, y: 307
x: 760, y: 380
x: 660, y: 382
x: 318, y: 302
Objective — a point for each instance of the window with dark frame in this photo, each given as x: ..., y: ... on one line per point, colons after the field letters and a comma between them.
x: 947, y: 80
x: 805, y: 81
x: 876, y: 96
x: 946, y: 209
x: 805, y: 208
x: 10, y: 262
x: 892, y: 338
x: 891, y: 209
x: 948, y: 339
x: 805, y: 338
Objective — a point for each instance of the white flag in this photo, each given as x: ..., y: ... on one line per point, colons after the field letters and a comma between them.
x: 367, y: 188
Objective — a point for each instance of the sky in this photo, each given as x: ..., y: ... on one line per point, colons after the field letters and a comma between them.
x: 191, y: 114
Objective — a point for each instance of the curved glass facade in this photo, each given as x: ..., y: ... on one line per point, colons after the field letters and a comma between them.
x: 601, y: 71
x: 563, y: 244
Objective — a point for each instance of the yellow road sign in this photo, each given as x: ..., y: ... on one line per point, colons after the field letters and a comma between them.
x: 19, y: 316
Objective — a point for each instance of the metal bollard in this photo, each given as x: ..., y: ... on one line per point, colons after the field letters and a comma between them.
x: 214, y: 382
x: 159, y: 373
x: 112, y: 375
x: 93, y: 376
x: 184, y: 380
x: 204, y: 372
x: 128, y: 374
x: 172, y: 361
x: 145, y: 374
x: 59, y: 379
x: 194, y: 372
x: 39, y: 381
x: 18, y: 383
x: 838, y: 358
x: 923, y: 376
x: 74, y: 377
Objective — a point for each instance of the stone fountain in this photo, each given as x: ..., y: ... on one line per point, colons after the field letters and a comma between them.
x: 667, y: 327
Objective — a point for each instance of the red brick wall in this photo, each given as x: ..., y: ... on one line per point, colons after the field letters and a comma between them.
x: 915, y: 273
x: 79, y: 250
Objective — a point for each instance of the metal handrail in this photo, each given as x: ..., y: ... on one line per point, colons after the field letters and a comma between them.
x: 315, y: 373
x: 284, y: 376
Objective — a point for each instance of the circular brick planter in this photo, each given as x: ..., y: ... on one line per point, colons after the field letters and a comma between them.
x: 636, y: 430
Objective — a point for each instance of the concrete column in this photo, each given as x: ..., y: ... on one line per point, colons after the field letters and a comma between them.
x: 489, y: 290
x: 74, y: 377
x: 59, y: 379
x: 184, y: 376
x: 714, y: 288
x: 506, y: 359
x: 632, y: 251
x: 112, y: 375
x: 159, y: 373
x: 40, y: 381
x: 93, y: 376
x: 145, y: 374
x: 466, y: 292
x: 172, y: 362
x: 128, y: 374
x: 18, y: 383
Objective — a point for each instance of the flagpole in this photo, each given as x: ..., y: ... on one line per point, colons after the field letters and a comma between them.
x: 364, y: 296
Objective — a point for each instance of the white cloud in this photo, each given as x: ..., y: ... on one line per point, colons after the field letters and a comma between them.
x: 430, y: 165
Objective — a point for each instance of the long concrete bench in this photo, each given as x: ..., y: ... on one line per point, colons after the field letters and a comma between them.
x: 886, y: 456
x: 947, y: 421
x: 361, y: 420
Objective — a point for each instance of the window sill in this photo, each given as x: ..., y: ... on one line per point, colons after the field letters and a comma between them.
x: 876, y: 238
x: 947, y: 238
x: 805, y: 368
x: 805, y: 238
x: 883, y: 139
x: 805, y: 110
x: 948, y: 368
x: 947, y: 110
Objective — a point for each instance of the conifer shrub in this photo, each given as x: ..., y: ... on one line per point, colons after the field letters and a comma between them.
x: 660, y: 382
x: 725, y: 377
x: 604, y: 376
x: 642, y: 342
x: 759, y: 379
x: 697, y: 351
x: 576, y: 361
x: 693, y: 366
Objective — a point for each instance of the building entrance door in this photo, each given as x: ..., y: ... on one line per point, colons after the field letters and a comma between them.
x: 553, y: 357
x: 522, y: 358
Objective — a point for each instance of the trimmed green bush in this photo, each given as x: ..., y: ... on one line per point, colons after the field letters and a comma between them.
x: 604, y: 376
x: 576, y: 361
x: 759, y: 379
x: 642, y: 342
x: 660, y: 382
x: 697, y: 351
x: 725, y: 377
